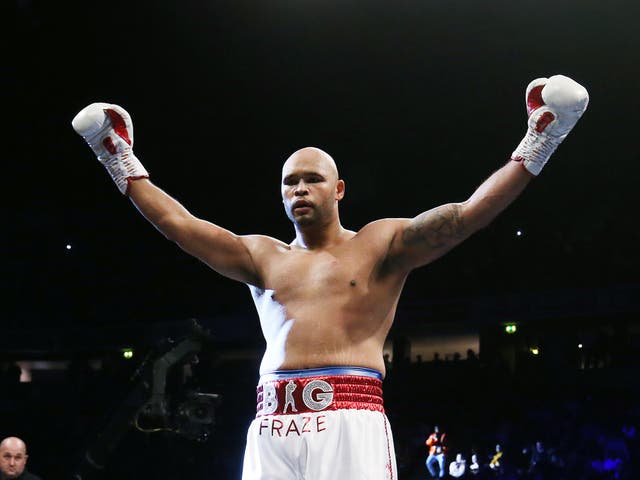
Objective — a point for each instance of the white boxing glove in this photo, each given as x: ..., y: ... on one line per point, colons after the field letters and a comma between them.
x: 108, y: 130
x: 554, y: 105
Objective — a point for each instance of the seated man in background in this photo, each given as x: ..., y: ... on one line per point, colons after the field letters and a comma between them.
x: 13, y: 460
x: 458, y: 467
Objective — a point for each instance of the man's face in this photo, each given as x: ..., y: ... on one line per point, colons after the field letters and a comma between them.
x: 13, y: 458
x: 310, y: 187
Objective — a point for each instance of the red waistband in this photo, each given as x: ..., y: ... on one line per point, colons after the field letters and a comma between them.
x: 319, y: 393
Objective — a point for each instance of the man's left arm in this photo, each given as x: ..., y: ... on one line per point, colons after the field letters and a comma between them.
x: 554, y: 105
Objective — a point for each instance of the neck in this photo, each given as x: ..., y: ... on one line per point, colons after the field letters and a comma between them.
x: 314, y: 237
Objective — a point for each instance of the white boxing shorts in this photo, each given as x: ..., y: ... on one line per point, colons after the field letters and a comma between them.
x: 320, y: 424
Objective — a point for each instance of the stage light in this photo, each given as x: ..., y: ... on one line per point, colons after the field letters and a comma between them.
x: 534, y: 351
x: 127, y: 353
x: 579, y: 345
x: 510, y: 328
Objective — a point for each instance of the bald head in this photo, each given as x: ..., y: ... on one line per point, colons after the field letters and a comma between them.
x: 13, y: 457
x: 13, y: 442
x: 311, y: 158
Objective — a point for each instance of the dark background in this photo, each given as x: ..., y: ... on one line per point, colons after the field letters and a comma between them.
x: 417, y: 101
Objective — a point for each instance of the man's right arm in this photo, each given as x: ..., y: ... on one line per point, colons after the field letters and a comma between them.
x: 108, y: 130
x: 224, y: 251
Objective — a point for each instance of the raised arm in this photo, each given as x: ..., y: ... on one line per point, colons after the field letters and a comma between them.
x: 434, y: 232
x: 109, y: 132
x: 554, y: 106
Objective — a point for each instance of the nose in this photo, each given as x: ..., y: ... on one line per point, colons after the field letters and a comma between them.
x: 301, y: 188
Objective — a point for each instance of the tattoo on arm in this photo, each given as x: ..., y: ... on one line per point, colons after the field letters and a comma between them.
x: 437, y: 228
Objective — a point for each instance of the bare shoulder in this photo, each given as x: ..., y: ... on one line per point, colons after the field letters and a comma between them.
x: 412, y: 242
x: 264, y: 245
x: 378, y: 239
x: 384, y: 227
x: 382, y: 234
x: 262, y: 251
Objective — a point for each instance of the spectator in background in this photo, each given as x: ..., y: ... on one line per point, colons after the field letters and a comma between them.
x: 496, y: 461
x: 458, y: 467
x: 437, y: 453
x: 539, y: 464
x: 13, y: 460
x: 474, y: 467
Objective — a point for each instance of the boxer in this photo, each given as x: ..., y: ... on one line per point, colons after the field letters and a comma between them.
x: 326, y: 300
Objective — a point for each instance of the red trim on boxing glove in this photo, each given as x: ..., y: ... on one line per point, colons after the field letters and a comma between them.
x: 534, y: 99
x: 119, y: 126
x: 534, y: 102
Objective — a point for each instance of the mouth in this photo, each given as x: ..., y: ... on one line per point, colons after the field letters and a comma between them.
x: 301, y: 206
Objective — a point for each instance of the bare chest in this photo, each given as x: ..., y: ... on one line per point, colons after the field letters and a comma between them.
x: 304, y: 274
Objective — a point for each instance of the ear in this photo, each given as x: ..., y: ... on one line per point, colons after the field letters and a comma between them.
x: 340, y: 187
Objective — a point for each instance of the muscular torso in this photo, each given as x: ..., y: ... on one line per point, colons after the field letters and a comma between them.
x: 330, y: 306
x: 334, y: 305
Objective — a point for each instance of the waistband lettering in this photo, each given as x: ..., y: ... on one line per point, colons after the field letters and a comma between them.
x: 322, y: 400
x: 315, y: 394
